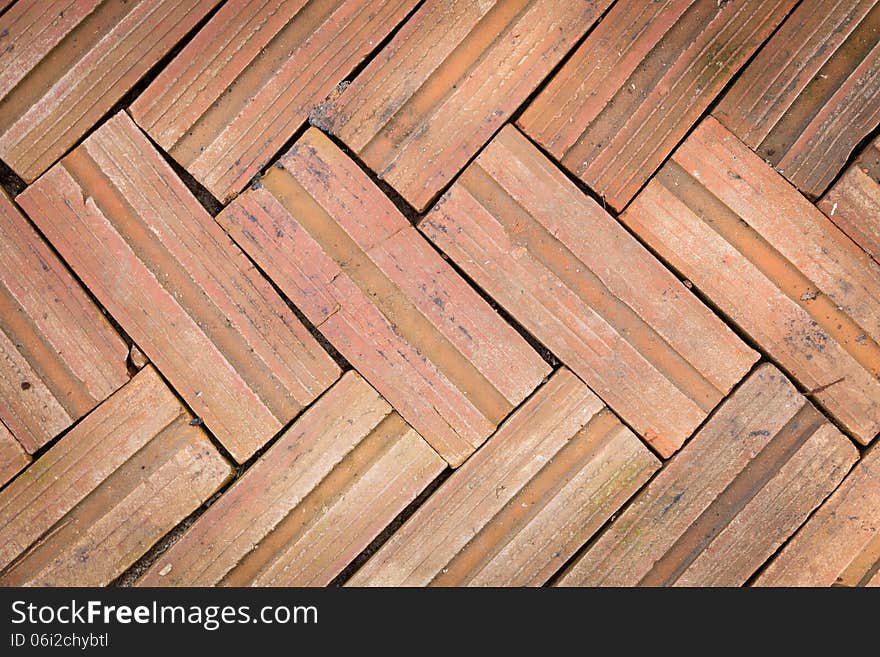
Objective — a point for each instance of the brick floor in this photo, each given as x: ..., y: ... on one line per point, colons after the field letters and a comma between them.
x: 439, y: 293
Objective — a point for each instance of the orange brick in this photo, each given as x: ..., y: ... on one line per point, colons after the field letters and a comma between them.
x: 247, y: 81
x: 313, y: 501
x: 416, y: 115
x: 840, y: 544
x: 341, y: 251
x: 114, y: 485
x: 178, y: 285
x: 853, y: 203
x: 12, y: 456
x: 525, y: 502
x: 59, y: 356
x: 639, y: 82
x: 605, y: 306
x: 775, y: 264
x: 812, y: 92
x: 64, y: 65
x: 726, y: 502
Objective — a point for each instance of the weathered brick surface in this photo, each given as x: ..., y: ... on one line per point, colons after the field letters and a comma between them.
x: 775, y: 264
x: 525, y: 502
x: 110, y: 488
x: 853, y: 203
x: 416, y: 115
x: 341, y: 251
x: 840, y: 544
x: 605, y: 306
x: 240, y: 89
x: 724, y: 504
x: 63, y: 65
x: 312, y: 502
x: 12, y: 455
x: 812, y: 93
x: 639, y: 82
x: 59, y: 356
x: 177, y: 284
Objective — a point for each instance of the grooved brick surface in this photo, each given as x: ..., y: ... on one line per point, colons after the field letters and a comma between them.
x: 812, y: 93
x: 104, y: 493
x: 240, y: 89
x: 177, y: 284
x: 639, y: 82
x: 416, y: 115
x: 775, y: 264
x: 729, y: 499
x: 59, y: 356
x: 12, y: 455
x: 374, y: 287
x: 605, y: 306
x: 312, y: 503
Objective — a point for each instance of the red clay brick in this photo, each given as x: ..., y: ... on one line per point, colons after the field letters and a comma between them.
x: 812, y: 92
x: 12, y: 456
x: 639, y: 82
x: 725, y: 503
x: 312, y: 503
x: 775, y: 264
x: 525, y: 502
x: 416, y: 115
x: 247, y: 81
x: 340, y: 250
x: 840, y: 544
x: 59, y: 356
x: 115, y: 484
x: 605, y: 306
x: 853, y: 203
x: 179, y: 287
x: 63, y: 65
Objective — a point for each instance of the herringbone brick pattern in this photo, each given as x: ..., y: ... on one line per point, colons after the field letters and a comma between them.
x: 439, y: 292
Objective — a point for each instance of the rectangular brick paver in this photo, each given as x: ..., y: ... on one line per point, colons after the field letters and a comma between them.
x: 341, y: 251
x: 639, y: 82
x: 525, y: 502
x: 12, y: 455
x: 64, y: 64
x: 604, y: 305
x: 853, y: 202
x: 110, y: 488
x: 840, y: 544
x: 59, y: 356
x: 416, y: 115
x: 775, y: 264
x: 240, y: 89
x: 812, y: 92
x: 177, y: 284
x: 312, y: 503
x: 729, y: 499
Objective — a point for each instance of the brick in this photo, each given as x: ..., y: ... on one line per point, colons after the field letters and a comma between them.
x: 63, y: 65
x: 525, y: 502
x: 639, y: 82
x: 840, y: 544
x: 775, y: 264
x: 812, y: 92
x: 247, y: 81
x: 12, y: 455
x: 313, y: 501
x: 115, y: 484
x: 726, y: 502
x: 416, y: 115
x: 59, y: 356
x: 179, y: 287
x: 604, y: 306
x: 340, y: 250
x: 853, y: 202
